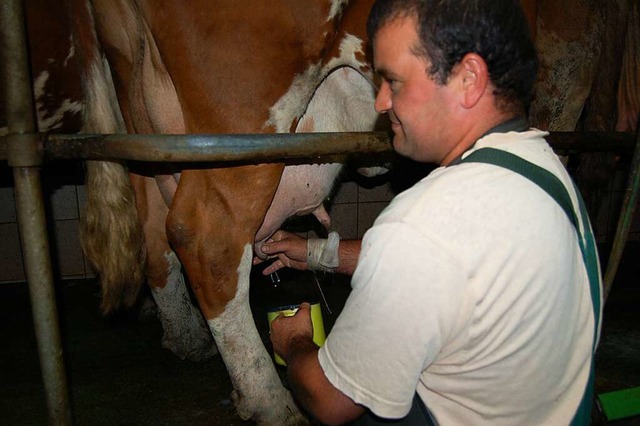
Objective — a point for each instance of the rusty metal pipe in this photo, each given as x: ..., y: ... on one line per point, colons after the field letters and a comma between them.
x: 29, y: 204
x: 256, y: 148
x: 25, y: 156
x: 274, y: 147
x: 216, y: 148
x: 627, y: 211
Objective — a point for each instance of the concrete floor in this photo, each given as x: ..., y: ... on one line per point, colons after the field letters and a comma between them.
x: 120, y: 375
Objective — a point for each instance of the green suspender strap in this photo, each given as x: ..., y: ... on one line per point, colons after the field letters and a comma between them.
x: 552, y: 185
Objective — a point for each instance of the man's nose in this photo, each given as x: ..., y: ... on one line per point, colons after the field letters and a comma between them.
x: 383, y: 99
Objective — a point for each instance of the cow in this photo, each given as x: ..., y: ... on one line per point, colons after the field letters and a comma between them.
x: 212, y: 67
x: 320, y: 81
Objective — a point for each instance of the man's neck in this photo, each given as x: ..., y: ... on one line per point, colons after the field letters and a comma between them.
x: 477, y: 128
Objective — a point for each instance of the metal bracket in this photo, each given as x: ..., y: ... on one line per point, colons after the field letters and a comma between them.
x: 24, y: 150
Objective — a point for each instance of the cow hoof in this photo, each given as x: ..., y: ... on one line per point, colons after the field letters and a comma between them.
x: 244, y: 411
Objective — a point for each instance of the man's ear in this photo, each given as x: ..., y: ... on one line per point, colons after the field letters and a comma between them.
x: 474, y: 78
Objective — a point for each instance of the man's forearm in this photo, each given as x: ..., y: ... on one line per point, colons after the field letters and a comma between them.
x: 348, y: 252
x: 312, y: 388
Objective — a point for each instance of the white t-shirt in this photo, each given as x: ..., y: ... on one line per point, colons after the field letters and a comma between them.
x: 471, y: 289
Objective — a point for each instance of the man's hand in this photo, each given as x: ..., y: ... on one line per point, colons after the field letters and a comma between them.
x: 292, y: 340
x: 288, y: 249
x: 291, y: 334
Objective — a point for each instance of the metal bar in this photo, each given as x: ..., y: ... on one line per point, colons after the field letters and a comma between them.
x: 627, y: 211
x: 214, y: 148
x: 24, y: 156
x: 272, y: 147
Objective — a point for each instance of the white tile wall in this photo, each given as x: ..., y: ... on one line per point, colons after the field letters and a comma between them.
x: 367, y: 214
x: 66, y: 246
x: 344, y: 220
x: 62, y: 208
x: 64, y: 203
x: 354, y: 208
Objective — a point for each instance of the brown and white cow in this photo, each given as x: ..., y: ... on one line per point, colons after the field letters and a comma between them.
x: 213, y: 67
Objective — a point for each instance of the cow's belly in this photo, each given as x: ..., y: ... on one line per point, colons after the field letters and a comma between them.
x: 301, y: 191
x: 342, y: 103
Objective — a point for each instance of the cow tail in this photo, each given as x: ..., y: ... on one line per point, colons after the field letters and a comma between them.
x: 111, y: 234
x: 110, y: 231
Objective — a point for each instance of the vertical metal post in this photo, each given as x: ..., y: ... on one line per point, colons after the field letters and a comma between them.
x: 25, y: 157
x: 626, y: 216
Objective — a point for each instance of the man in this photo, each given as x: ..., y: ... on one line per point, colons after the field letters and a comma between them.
x: 470, y: 289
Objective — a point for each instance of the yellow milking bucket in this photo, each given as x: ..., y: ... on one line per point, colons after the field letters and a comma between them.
x: 316, y: 320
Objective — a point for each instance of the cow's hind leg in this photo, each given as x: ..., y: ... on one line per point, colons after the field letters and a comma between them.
x: 212, y: 224
x: 186, y: 333
x: 258, y: 392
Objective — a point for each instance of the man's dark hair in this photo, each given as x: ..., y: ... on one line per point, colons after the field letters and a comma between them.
x: 496, y: 30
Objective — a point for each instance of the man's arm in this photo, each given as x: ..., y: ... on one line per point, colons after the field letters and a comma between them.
x: 291, y: 251
x: 312, y: 388
x: 292, y: 340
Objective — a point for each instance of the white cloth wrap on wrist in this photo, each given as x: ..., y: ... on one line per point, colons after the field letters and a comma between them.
x: 322, y: 255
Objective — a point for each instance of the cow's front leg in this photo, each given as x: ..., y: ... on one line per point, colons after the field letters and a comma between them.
x: 212, y: 224
x: 185, y: 332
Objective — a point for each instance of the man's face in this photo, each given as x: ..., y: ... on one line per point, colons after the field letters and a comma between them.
x: 419, y: 109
